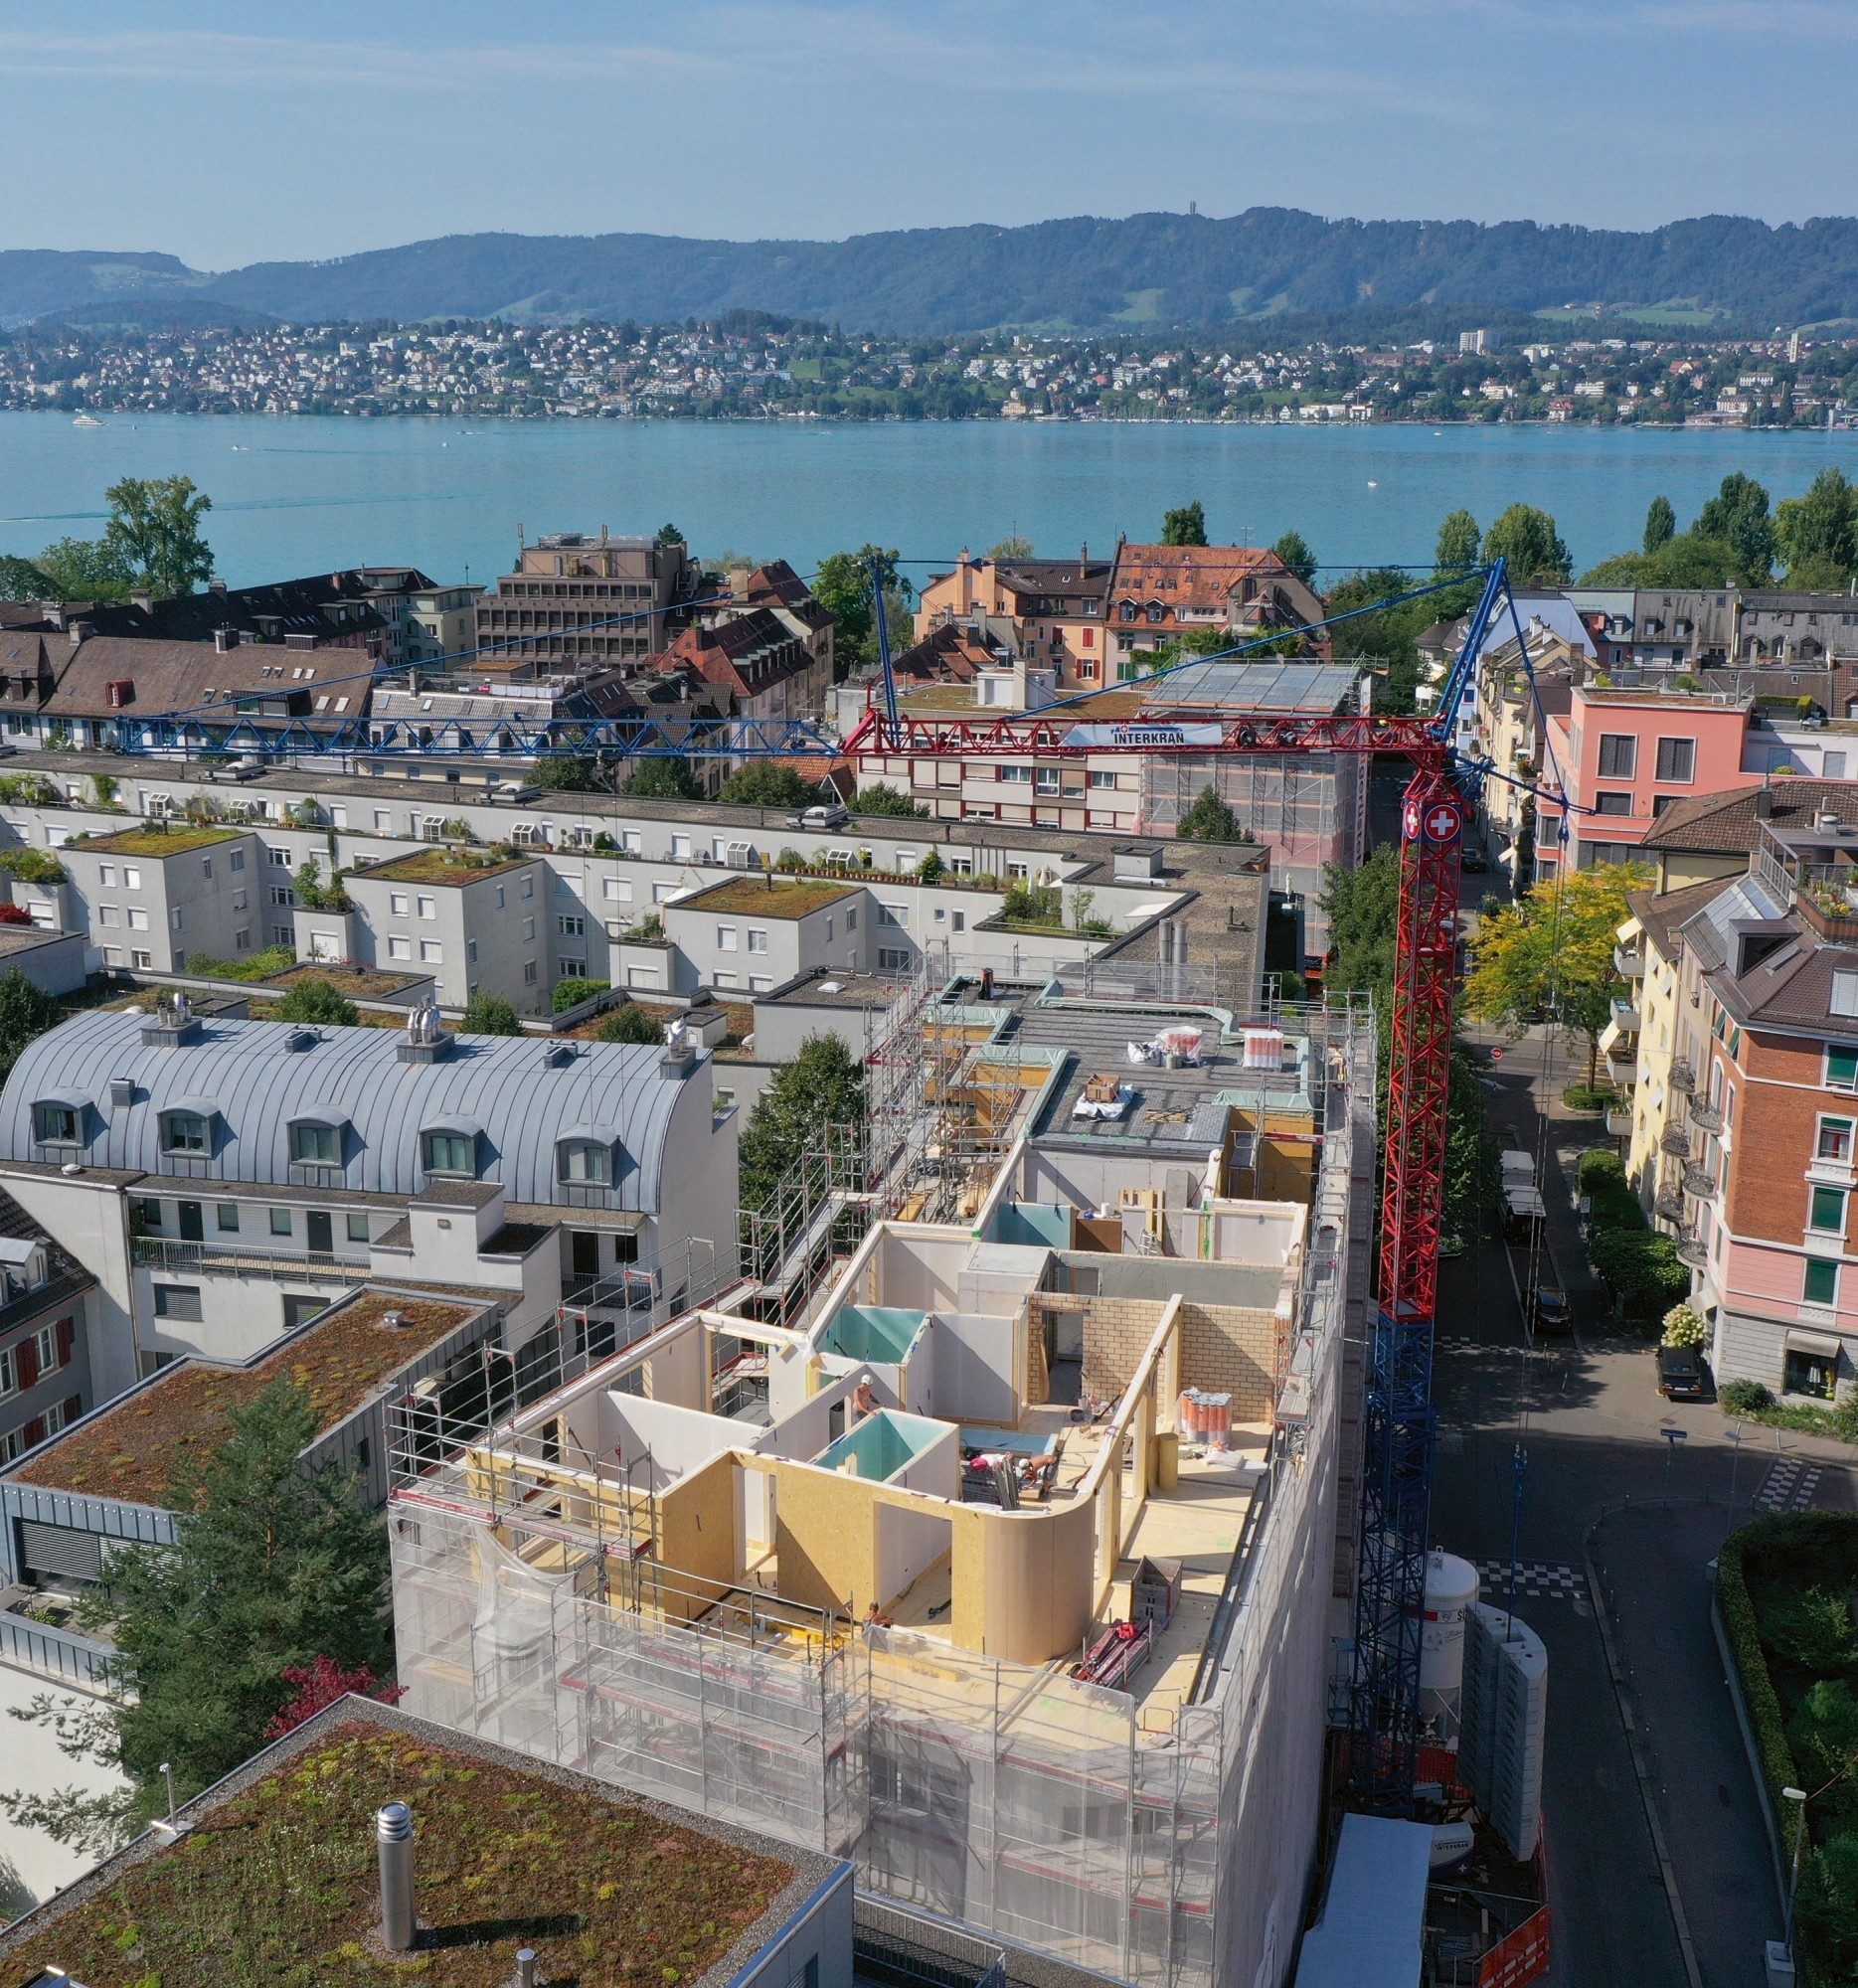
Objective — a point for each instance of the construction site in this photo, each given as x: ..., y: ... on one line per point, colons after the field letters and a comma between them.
x: 996, y: 1530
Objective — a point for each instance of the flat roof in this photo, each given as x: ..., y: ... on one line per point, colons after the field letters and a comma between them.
x: 1264, y: 686
x: 602, y: 1884
x: 175, y: 840
x: 23, y: 938
x: 766, y: 896
x: 131, y: 1447
x: 822, y: 988
x: 442, y: 864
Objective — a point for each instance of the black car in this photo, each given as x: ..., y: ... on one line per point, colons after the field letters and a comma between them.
x: 1550, y: 1312
x: 1473, y: 859
x: 1682, y: 1374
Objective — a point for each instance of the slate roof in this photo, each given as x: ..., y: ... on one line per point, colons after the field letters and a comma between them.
x: 505, y: 1087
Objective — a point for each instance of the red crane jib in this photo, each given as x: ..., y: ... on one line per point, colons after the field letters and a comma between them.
x: 1068, y: 735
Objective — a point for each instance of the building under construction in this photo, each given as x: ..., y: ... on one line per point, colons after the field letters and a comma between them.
x: 995, y: 1533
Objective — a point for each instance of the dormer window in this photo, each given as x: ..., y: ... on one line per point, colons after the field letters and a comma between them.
x: 186, y: 1132
x: 450, y: 1150
x: 316, y: 1142
x: 583, y: 1162
x: 58, y: 1121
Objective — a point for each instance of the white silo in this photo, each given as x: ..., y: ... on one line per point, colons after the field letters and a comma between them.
x: 1450, y: 1589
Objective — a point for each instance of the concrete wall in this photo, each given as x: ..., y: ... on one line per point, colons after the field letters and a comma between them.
x: 978, y: 1360
x: 32, y: 1864
x: 820, y: 1935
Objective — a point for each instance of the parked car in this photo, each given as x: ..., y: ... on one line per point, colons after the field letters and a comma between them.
x: 1473, y: 860
x: 1682, y: 1374
x: 1551, y: 1311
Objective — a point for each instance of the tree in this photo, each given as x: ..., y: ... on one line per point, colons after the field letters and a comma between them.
x: 882, y: 799
x: 1210, y: 819
x: 842, y: 586
x: 1661, y: 524
x: 1738, y: 515
x: 669, y: 535
x: 1015, y: 545
x: 1528, y: 540
x: 823, y: 1085
x: 20, y: 579
x: 931, y: 870
x: 1685, y: 561
x: 1185, y: 527
x: 1387, y: 636
x: 1293, y: 550
x: 1458, y: 540
x: 571, y: 773
x: 630, y: 1024
x: 663, y: 780
x: 1818, y: 534
x: 489, y: 1014
x: 318, y: 1685
x: 313, y: 893
x: 85, y: 570
x: 274, y: 1565
x: 25, y: 1012
x: 1551, y: 957
x: 154, y: 527
x: 313, y: 999
x: 764, y: 783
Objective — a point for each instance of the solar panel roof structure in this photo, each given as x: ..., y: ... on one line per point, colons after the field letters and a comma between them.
x: 516, y: 1096
x: 1274, y: 686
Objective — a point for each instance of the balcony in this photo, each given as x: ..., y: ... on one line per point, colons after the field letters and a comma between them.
x: 158, y: 1252
x: 1629, y: 962
x: 1669, y: 1204
x: 1707, y: 1117
x: 1700, y: 1182
x: 1625, y: 1014
x: 1691, y: 1250
x: 1618, y: 1121
x: 1674, y: 1139
x: 1683, y: 1077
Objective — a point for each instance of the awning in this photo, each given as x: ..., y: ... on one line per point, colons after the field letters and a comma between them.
x: 1822, y: 1346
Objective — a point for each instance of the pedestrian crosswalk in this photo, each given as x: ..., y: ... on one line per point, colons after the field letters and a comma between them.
x: 1789, y: 1487
x: 1536, y: 1580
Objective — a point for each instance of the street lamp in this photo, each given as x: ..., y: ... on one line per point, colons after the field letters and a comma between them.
x: 1798, y: 1797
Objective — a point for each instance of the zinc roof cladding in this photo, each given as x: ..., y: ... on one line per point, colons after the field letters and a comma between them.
x: 1664, y: 914
x: 1729, y: 823
x: 259, y: 1085
x: 1266, y: 686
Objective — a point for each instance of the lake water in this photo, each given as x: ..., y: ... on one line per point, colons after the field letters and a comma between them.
x: 295, y: 495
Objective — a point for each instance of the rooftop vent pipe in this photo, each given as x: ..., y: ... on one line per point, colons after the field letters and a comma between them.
x: 392, y: 1828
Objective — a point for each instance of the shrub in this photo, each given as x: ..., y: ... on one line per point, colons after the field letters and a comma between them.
x: 1742, y: 1630
x: 1599, y: 1166
x: 880, y: 799
x: 1744, y: 1398
x: 314, y: 1000
x: 631, y: 1024
x: 32, y: 866
x: 1685, y: 1326
x: 1030, y: 904
x: 1588, y: 1097
x: 789, y: 861
x: 1814, y: 1630
x: 931, y: 869
x: 1641, y: 1270
x: 569, y: 993
x: 489, y: 1014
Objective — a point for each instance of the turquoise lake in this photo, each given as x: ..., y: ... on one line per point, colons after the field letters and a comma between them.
x: 302, y: 494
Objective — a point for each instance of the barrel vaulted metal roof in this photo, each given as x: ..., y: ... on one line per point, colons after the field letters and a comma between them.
x: 521, y: 1093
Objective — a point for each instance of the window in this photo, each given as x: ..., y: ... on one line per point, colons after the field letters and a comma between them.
x: 280, y: 1222
x: 1821, y: 1285
x: 399, y: 948
x: 396, y: 903
x: 137, y: 957
x: 851, y: 919
x: 1618, y: 755
x: 54, y: 1125
x: 1844, y: 993
x: 107, y: 876
x: 892, y: 959
x: 470, y: 951
x: 1103, y: 779
x: 449, y: 1152
x: 1614, y: 803
x: 280, y: 858
x: 431, y: 952
x: 529, y: 974
x: 429, y: 907
x: 131, y: 876
x: 1677, y: 759
x: 758, y: 939
x: 1827, y: 1213
x: 206, y: 866
x: 174, y: 919
x: 183, y: 1132
x: 571, y: 928
x: 180, y: 1301
x: 529, y: 927
x: 893, y: 915
x: 46, y: 1349
x: 574, y: 969
x: 618, y: 888
x: 283, y: 895
x: 721, y: 979
x: 1046, y: 780
x: 9, y: 1373
x: 1813, y: 1374
x: 357, y: 1225
x: 528, y: 887
x: 586, y: 1162
x: 138, y: 919
x: 316, y: 1145
x: 109, y: 914
x: 1842, y: 1070
x: 725, y: 938
x: 1020, y: 776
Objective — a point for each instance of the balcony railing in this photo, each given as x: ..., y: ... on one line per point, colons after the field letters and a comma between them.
x: 1700, y: 1182
x: 1707, y: 1117
x: 1618, y: 1121
x: 158, y: 1252
x: 1692, y: 1249
x: 1683, y: 1077
x: 1629, y: 962
x: 1669, y: 1204
x: 1625, y: 1014
x: 1674, y: 1139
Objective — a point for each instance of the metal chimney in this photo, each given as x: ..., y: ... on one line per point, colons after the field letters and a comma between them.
x: 392, y: 1828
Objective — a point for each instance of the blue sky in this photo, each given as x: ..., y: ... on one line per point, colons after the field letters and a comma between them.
x: 230, y: 134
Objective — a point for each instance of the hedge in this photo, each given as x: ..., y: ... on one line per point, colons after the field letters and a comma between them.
x: 1744, y: 1631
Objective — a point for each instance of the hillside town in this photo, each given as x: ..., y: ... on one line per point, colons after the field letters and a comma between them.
x: 751, y: 364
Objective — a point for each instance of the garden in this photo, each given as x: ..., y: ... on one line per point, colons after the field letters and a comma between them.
x: 1786, y: 1586
x: 1640, y: 1270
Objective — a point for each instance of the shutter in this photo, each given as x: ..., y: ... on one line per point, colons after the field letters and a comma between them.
x: 26, y: 1354
x: 67, y: 1331
x: 60, y: 1549
x: 33, y: 1431
x: 74, y: 1407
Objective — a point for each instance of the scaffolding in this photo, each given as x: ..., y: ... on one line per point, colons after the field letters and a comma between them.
x: 1163, y: 1842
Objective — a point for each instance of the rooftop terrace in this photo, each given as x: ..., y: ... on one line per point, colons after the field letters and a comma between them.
x: 175, y: 840
x: 442, y: 864
x: 133, y: 1449
x: 765, y: 896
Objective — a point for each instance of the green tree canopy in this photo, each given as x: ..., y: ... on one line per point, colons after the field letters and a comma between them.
x: 663, y: 780
x: 1293, y: 550
x: 823, y: 1085
x: 842, y: 586
x: 1684, y: 561
x: 25, y: 1012
x: 764, y: 783
x: 1458, y: 543
x: 489, y: 1014
x: 1528, y: 540
x: 1661, y: 524
x: 1818, y: 534
x: 85, y: 570
x: 1210, y: 819
x: 1385, y: 637
x: 669, y: 535
x: 154, y: 527
x: 571, y: 773
x: 1015, y: 545
x: 20, y: 579
x: 1185, y: 526
x: 313, y: 999
x: 1738, y: 515
x: 1551, y: 955
x: 882, y: 799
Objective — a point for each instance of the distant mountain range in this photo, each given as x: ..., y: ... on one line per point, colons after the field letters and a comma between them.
x: 1148, y: 270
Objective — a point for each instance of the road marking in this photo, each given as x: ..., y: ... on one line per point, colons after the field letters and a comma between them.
x: 1536, y: 1580
x: 1789, y: 1486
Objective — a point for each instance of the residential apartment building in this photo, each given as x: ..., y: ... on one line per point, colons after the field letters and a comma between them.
x: 1051, y: 612
x: 1678, y: 628
x: 760, y: 659
x: 45, y: 1381
x: 153, y: 895
x: 439, y: 625
x: 1163, y: 594
x: 576, y: 601
x: 776, y: 585
x: 475, y: 921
